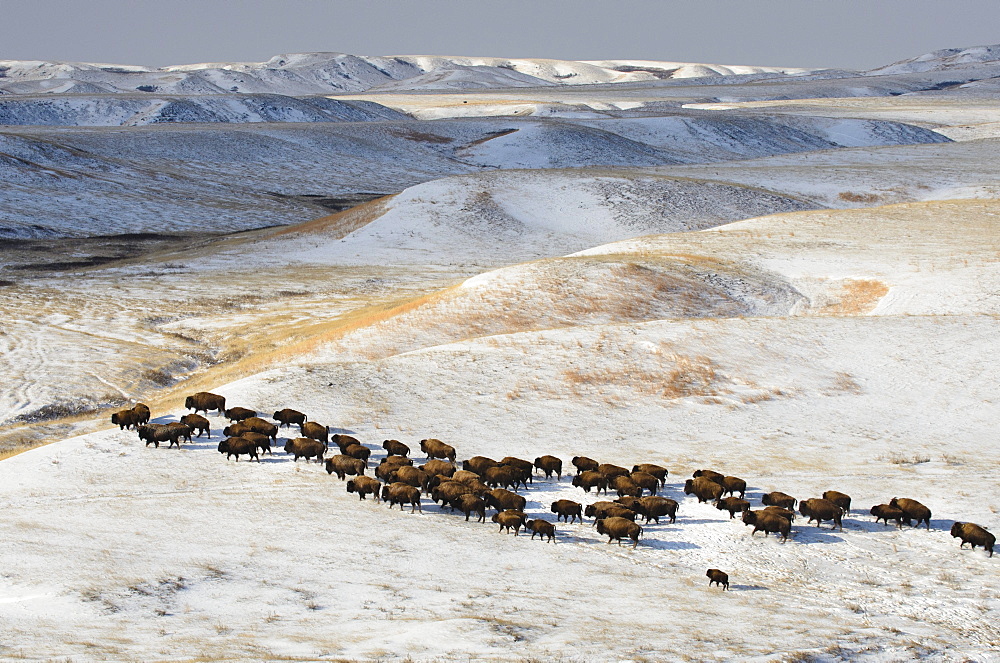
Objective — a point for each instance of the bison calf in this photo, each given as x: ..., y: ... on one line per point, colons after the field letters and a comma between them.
x: 719, y: 578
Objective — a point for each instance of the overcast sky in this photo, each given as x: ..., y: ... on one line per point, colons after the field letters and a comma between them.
x: 808, y: 33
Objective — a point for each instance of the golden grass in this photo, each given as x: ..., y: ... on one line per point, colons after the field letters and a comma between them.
x: 852, y: 197
x: 855, y: 297
x: 341, y: 224
x: 689, y: 376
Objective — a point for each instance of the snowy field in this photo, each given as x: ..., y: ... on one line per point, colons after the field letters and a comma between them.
x: 804, y: 293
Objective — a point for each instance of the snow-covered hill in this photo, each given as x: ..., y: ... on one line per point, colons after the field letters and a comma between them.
x: 300, y: 74
x: 944, y: 59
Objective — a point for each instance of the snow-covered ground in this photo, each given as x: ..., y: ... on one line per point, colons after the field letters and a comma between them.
x: 803, y: 294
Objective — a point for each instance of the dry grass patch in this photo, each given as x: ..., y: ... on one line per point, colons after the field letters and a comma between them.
x: 341, y: 224
x: 689, y: 376
x: 855, y: 297
x: 852, y: 197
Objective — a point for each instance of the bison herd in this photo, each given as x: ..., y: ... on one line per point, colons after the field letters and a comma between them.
x: 482, y: 483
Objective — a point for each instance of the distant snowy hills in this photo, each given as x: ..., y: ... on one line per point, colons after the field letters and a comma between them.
x: 300, y: 74
x: 948, y: 58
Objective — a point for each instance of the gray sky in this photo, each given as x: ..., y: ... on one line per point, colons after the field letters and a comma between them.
x: 809, y: 33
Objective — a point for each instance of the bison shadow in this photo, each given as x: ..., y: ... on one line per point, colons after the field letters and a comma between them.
x: 814, y: 535
x: 345, y: 431
x: 668, y: 545
x: 747, y: 588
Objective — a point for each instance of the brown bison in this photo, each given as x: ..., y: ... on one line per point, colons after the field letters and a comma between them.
x: 479, y: 464
x: 342, y: 441
x: 781, y: 511
x: 258, y: 425
x: 584, y: 464
x: 525, y: 467
x: 711, y: 475
x: 542, y: 528
x: 469, y: 504
x: 205, y: 401
x: 239, y: 413
x: 618, y: 528
x: 887, y: 513
x: 197, y: 423
x: 413, y: 476
x: 912, y: 510
x: 659, y: 472
x: 387, y: 470
x: 402, y: 494
x: 975, y: 535
x: 590, y: 479
x: 395, y: 448
x: 611, y: 471
x: 126, y: 419
x: 434, y: 448
x: 501, y: 476
x: 550, y: 465
x: 318, y: 432
x: 234, y: 446
x: 440, y: 467
x: 142, y: 410
x: 156, y: 433
x: 288, y: 416
x: 358, y: 451
x: 719, y: 578
x: 840, y: 499
x: 778, y: 499
x: 509, y: 519
x: 732, y: 485
x: 262, y: 441
x: 703, y: 488
x: 465, y: 476
x: 343, y: 465
x: 653, y: 507
x: 599, y: 509
x: 567, y: 510
x: 646, y: 481
x: 625, y: 486
x: 363, y: 486
x: 766, y: 522
x: 819, y: 510
x: 449, y: 490
x: 503, y: 500
x: 732, y: 505
x: 305, y: 447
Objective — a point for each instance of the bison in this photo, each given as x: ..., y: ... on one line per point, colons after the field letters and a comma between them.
x: 840, y: 499
x: 975, y: 535
x: 764, y: 521
x: 776, y: 498
x: 711, y: 475
x: 363, y: 486
x: 358, y: 451
x: 719, y: 578
x: 434, y: 448
x: 819, y: 509
x: 781, y: 511
x: 652, y: 508
x: 205, y: 401
x: 625, y: 486
x: 306, y: 448
x: 342, y: 441
x: 342, y: 465
x: 479, y: 464
x: 287, y: 417
x: 395, y: 448
x: 234, y: 446
x: 732, y: 505
x: 618, y: 528
x: 142, y: 410
x: 197, y: 423
x: 500, y: 476
x: 318, y: 432
x: 703, y: 488
x: 502, y: 500
x: 887, y: 513
x: 509, y: 519
x: 402, y: 494
x: 126, y: 419
x: 584, y: 464
x: 525, y: 467
x: 550, y: 465
x: 590, y: 479
x: 262, y: 441
x: 611, y: 471
x: 732, y: 485
x: 469, y: 504
x: 567, y: 510
x: 156, y: 433
x: 659, y: 472
x: 440, y: 467
x: 542, y: 528
x: 646, y: 481
x: 239, y: 413
x: 912, y: 510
